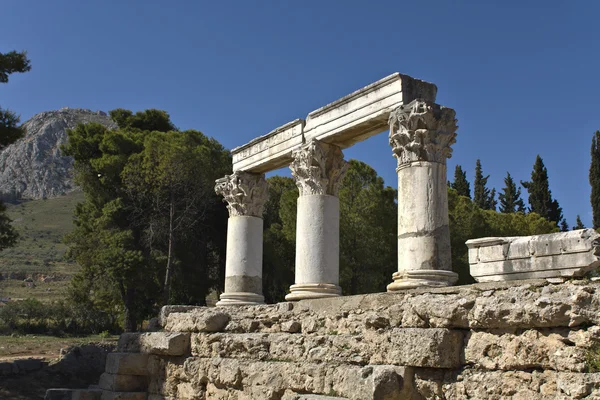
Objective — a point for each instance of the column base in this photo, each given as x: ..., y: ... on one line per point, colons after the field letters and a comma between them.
x: 422, y: 278
x: 240, y: 299
x: 301, y: 291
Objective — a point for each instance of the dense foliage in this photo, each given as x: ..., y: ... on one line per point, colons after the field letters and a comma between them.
x: 151, y: 229
x: 540, y: 195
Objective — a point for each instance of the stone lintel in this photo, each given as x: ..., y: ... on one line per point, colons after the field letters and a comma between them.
x: 351, y: 119
x: 563, y: 254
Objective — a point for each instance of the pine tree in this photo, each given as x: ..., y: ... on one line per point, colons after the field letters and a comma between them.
x: 461, y: 184
x: 595, y: 180
x: 578, y: 224
x: 10, y: 63
x: 510, y: 197
x: 564, y: 227
x: 540, y: 196
x: 482, y: 196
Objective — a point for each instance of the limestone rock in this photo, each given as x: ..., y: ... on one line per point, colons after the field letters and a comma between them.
x: 163, y: 343
x: 127, y: 363
x: 34, y: 166
x: 563, y: 254
x: 197, y: 320
x: 123, y: 383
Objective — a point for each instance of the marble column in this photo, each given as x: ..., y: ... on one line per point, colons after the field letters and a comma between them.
x: 421, y: 134
x: 245, y: 194
x: 318, y: 169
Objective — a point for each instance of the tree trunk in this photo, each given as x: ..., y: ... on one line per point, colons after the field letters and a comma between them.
x: 167, y: 283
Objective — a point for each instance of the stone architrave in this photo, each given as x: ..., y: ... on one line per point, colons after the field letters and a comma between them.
x: 318, y: 169
x: 421, y: 136
x: 562, y: 254
x: 245, y: 194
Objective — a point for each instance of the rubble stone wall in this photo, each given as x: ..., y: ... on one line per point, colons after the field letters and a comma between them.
x: 519, y: 340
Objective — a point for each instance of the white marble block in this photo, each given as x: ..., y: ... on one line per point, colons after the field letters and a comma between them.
x: 563, y: 254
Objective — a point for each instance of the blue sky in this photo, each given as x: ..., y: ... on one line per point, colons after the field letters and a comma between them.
x: 522, y: 76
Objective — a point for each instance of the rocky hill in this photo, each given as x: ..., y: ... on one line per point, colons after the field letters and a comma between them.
x: 34, y: 167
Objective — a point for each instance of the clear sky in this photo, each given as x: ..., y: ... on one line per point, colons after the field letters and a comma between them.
x: 522, y: 76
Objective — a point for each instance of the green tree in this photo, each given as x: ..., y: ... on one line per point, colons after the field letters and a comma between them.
x: 540, y: 196
x: 11, y: 63
x: 368, y: 230
x: 564, y: 227
x: 510, y: 197
x: 468, y: 221
x: 279, y: 249
x: 578, y: 224
x: 594, y: 178
x: 461, y: 184
x: 143, y: 183
x: 8, y: 234
x: 482, y: 196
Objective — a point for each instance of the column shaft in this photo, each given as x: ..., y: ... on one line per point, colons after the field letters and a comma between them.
x: 318, y: 169
x: 421, y: 135
x: 243, y: 263
x: 317, y: 248
x: 245, y: 194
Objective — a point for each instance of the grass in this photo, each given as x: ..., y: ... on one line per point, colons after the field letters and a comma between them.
x: 41, y: 225
x: 593, y: 359
x: 44, y: 346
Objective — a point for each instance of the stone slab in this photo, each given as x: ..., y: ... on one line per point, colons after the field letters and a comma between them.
x: 351, y: 119
x: 127, y: 363
x: 162, y: 343
x: 434, y: 347
x: 563, y: 254
x: 106, y: 395
x: 87, y: 394
x: 123, y: 383
x: 58, y: 394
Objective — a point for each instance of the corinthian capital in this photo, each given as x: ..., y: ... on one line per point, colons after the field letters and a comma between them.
x: 422, y: 131
x: 318, y: 168
x: 245, y: 193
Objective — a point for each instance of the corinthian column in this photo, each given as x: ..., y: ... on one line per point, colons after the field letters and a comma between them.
x: 245, y: 195
x: 318, y: 169
x: 421, y: 134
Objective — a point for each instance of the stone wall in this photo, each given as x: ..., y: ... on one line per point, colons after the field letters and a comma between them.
x: 524, y: 340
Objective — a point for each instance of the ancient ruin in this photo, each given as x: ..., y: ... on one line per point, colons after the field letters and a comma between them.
x: 528, y: 339
x: 421, y: 136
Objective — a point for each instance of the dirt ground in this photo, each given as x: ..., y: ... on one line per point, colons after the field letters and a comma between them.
x: 33, y: 385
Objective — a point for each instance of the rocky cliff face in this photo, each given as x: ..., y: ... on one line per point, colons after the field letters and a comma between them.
x: 34, y: 167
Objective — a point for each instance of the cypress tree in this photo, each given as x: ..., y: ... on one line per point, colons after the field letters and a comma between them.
x: 564, y: 227
x: 595, y: 180
x: 461, y: 184
x: 482, y: 196
x: 540, y: 196
x: 510, y: 197
x: 578, y: 224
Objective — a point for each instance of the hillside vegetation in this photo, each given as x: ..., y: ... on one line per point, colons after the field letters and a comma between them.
x: 39, y: 252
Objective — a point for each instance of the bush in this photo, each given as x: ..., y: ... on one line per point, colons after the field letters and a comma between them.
x: 56, y: 318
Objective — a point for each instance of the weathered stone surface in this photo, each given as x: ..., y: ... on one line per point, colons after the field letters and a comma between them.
x: 244, y: 193
x: 438, y: 348
x: 58, y: 394
x: 351, y: 119
x: 163, y: 343
x: 123, y: 395
x: 87, y: 394
x: 523, y: 385
x: 127, y: 363
x: 198, y: 320
x: 547, y: 349
x: 123, y: 383
x: 563, y: 254
x: 34, y: 167
x: 230, y: 378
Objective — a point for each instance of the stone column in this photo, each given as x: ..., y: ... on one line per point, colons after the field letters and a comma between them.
x: 318, y: 169
x: 421, y: 134
x: 245, y: 194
